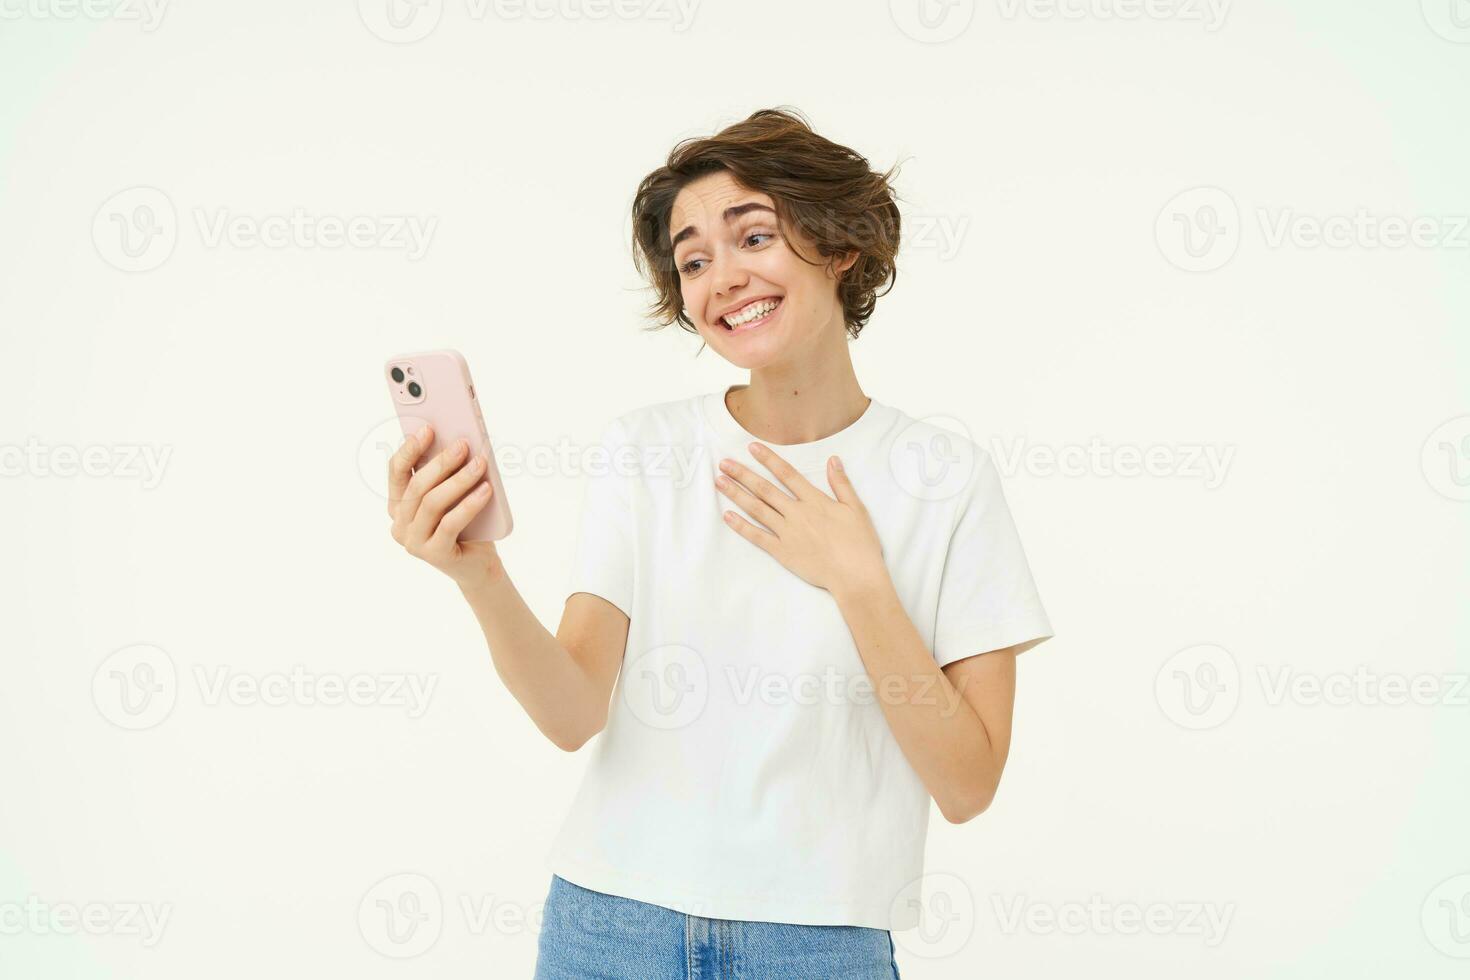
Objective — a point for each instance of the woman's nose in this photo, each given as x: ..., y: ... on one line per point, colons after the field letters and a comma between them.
x: 729, y: 277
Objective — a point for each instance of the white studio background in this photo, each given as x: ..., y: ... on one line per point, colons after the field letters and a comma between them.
x: 1195, y: 272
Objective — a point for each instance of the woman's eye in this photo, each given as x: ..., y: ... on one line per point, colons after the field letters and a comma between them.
x: 759, y: 234
x: 685, y: 268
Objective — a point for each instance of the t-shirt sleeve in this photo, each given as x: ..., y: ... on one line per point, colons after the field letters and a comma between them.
x: 987, y: 599
x: 603, y: 561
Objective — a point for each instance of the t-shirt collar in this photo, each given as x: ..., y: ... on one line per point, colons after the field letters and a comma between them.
x: 809, y: 457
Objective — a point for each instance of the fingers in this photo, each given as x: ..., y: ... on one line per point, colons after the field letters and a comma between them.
x: 460, y: 516
x: 801, y: 488
x: 438, y: 500
x: 400, y: 464
x: 842, y: 487
x: 760, y: 537
x: 427, y: 478
x: 767, y: 491
x: 748, y: 501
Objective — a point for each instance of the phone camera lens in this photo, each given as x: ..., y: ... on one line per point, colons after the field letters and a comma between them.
x: 398, y: 375
x: 414, y: 389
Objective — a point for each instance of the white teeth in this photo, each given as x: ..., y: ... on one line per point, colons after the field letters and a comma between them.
x: 752, y: 312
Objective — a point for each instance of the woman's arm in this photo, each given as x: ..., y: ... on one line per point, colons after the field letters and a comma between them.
x: 563, y: 682
x: 952, y: 723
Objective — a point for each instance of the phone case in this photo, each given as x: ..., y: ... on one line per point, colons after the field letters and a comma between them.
x: 447, y: 401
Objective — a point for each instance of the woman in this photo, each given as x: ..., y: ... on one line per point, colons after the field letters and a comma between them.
x: 794, y: 611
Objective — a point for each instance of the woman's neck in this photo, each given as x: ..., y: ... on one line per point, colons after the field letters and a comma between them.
x: 783, y: 409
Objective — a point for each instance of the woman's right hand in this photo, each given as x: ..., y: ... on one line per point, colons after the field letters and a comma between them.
x: 432, y: 506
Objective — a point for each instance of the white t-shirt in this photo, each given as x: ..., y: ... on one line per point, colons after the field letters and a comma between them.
x: 747, y: 770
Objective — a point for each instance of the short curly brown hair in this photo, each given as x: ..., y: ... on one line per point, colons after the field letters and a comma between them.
x: 826, y: 191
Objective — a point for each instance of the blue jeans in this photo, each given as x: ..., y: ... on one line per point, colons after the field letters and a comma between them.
x: 586, y: 935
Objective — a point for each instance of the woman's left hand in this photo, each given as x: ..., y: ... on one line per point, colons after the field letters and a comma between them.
x: 830, y: 543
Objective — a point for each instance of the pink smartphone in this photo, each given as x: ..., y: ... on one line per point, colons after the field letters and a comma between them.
x: 434, y: 388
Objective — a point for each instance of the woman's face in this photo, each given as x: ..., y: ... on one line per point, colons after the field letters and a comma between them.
x: 730, y: 253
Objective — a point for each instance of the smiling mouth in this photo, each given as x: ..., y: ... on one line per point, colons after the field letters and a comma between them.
x: 752, y: 315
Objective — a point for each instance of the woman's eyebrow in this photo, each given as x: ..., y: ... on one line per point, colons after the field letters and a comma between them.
x: 731, y: 213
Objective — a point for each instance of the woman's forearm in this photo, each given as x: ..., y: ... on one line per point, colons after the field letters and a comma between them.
x: 561, y: 696
x: 940, y: 733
